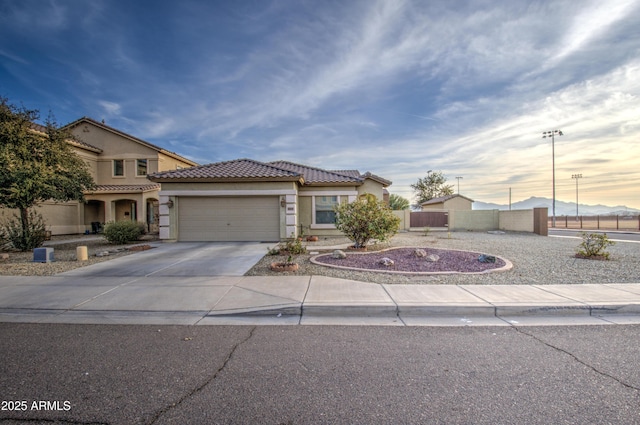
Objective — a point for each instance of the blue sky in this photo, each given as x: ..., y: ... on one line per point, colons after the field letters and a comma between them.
x: 393, y: 87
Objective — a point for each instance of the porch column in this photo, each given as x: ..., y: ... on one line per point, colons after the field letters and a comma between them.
x: 109, y: 211
x: 142, y: 211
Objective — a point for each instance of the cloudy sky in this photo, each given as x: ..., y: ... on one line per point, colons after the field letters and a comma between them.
x: 394, y: 87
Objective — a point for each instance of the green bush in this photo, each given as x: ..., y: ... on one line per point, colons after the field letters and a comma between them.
x: 366, y: 218
x: 122, y: 232
x: 594, y: 245
x: 33, y: 235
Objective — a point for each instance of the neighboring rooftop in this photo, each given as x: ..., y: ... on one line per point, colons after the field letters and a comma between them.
x: 444, y: 198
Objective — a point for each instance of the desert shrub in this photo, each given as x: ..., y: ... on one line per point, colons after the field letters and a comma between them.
x: 292, y: 246
x: 24, y: 236
x: 366, y: 218
x: 122, y: 232
x: 594, y: 245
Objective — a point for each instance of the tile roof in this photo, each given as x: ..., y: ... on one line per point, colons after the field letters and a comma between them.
x: 352, y: 173
x: 125, y: 188
x: 313, y: 175
x: 239, y: 169
x: 249, y: 170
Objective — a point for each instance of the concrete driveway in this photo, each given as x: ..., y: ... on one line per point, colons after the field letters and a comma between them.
x: 181, y: 259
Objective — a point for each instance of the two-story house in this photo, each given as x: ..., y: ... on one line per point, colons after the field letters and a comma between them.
x: 119, y: 164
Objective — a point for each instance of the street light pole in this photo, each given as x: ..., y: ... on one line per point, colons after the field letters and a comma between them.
x: 552, y: 134
x: 576, y: 176
x: 458, y: 184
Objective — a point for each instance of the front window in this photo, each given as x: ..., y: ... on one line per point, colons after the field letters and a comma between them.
x: 118, y: 167
x: 141, y: 167
x: 324, y: 209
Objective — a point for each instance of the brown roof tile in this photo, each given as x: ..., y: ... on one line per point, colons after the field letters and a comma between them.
x: 248, y: 169
x: 125, y: 188
x: 313, y: 175
x: 241, y: 169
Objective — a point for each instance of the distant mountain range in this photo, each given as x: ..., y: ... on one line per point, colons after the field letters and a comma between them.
x: 562, y: 208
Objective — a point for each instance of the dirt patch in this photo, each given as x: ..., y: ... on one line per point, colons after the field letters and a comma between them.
x: 405, y: 261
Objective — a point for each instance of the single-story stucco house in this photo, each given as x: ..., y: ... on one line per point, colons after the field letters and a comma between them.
x: 248, y: 200
x: 449, y: 202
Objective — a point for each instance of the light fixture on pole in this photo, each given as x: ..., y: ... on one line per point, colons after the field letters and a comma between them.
x: 576, y: 176
x: 552, y: 134
x: 458, y: 184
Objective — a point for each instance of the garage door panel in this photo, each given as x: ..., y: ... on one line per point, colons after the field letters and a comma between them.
x: 229, y: 219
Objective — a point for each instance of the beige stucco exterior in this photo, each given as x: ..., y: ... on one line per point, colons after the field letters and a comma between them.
x: 296, y: 206
x: 128, y: 197
x: 455, y: 202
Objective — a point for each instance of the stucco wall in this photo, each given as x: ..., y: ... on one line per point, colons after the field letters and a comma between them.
x: 65, y: 218
x: 371, y: 186
x: 474, y: 220
x: 115, y: 146
x: 516, y: 220
x: 405, y: 219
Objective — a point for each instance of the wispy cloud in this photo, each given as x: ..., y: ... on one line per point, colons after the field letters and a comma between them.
x: 396, y: 87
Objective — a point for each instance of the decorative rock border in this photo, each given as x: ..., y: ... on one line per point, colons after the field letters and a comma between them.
x: 508, y: 265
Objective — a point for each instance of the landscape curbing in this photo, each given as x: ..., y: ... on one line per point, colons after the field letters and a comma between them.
x: 507, y: 266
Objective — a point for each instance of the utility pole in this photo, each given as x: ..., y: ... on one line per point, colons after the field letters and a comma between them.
x: 552, y: 134
x: 458, y: 184
x: 576, y: 176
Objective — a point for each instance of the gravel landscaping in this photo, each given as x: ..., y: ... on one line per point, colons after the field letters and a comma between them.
x: 537, y: 260
x: 64, y: 253
x: 406, y: 260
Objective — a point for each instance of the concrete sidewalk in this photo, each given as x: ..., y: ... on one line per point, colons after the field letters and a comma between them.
x: 307, y: 300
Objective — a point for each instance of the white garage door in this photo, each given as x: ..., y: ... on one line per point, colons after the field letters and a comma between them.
x: 229, y: 219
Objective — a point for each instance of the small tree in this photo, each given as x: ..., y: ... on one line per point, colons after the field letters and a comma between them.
x: 432, y: 186
x: 364, y: 219
x: 36, y: 166
x: 398, y: 203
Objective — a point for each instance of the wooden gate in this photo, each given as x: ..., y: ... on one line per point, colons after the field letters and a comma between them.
x: 429, y: 219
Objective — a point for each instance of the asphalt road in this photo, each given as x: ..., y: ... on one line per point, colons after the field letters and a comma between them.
x: 309, y: 375
x: 613, y: 235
